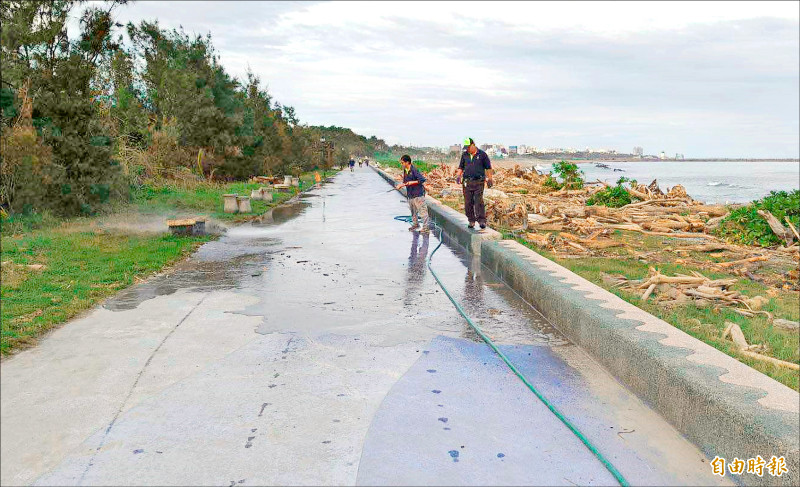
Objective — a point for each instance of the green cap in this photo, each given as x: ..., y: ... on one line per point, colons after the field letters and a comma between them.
x: 468, y: 141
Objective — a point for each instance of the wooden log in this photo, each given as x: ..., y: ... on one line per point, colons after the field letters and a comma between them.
x: 601, y: 243
x: 786, y: 324
x: 649, y: 201
x: 598, y: 210
x: 540, y: 240
x: 661, y: 279
x: 550, y: 227
x: 736, y: 335
x: 656, y: 228
x: 757, y: 258
x: 772, y: 360
x: 779, y: 230
x: 711, y: 296
x: 710, y: 247
x: 649, y: 291
x: 576, y: 246
x: 632, y: 227
x: 794, y: 230
x: 569, y: 236
x: 728, y: 326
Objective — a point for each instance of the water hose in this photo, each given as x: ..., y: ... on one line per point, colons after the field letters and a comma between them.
x: 551, y: 407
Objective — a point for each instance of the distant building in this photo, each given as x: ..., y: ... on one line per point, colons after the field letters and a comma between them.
x: 512, y: 149
x: 456, y: 148
x: 662, y: 155
x: 678, y: 157
x: 638, y: 151
x: 522, y: 149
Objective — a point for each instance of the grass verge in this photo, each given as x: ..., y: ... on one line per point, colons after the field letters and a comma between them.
x: 53, y: 269
x: 421, y: 165
x: 172, y: 198
x: 705, y: 324
x: 80, y: 268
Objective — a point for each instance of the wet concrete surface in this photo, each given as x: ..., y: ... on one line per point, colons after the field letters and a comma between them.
x: 307, y: 348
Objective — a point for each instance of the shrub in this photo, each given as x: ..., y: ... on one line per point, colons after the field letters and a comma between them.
x: 744, y: 225
x: 551, y: 182
x: 28, y: 178
x: 612, y: 196
x: 570, y: 174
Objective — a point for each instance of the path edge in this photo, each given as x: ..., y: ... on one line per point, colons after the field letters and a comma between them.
x: 725, y: 407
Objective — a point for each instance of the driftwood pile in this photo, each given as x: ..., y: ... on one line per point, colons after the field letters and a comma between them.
x: 680, y: 289
x: 520, y: 200
x: 561, y: 222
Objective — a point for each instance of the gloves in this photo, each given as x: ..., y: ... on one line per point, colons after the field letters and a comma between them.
x: 489, y: 183
x: 458, y: 180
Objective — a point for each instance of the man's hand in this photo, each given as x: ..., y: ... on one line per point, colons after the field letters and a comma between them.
x: 489, y: 183
x: 399, y: 186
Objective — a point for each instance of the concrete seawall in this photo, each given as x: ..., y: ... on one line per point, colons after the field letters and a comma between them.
x: 725, y: 407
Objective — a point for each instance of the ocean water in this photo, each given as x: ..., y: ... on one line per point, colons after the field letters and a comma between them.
x: 707, y: 181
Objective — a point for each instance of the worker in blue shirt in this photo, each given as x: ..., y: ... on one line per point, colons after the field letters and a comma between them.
x: 415, y: 191
x: 476, y: 169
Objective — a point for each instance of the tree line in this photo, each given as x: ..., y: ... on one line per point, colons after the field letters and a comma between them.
x: 85, y: 118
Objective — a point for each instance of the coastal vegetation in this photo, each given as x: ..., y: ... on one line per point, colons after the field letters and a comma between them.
x: 571, y: 177
x: 612, y: 196
x: 88, y: 118
x: 746, y: 226
x: 388, y: 160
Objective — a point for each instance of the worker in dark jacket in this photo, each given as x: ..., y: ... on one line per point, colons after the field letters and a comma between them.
x: 476, y: 169
x: 415, y: 191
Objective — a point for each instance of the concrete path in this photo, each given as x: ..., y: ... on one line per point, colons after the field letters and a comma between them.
x: 314, y: 348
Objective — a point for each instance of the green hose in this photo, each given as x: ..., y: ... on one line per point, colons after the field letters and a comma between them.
x: 584, y: 440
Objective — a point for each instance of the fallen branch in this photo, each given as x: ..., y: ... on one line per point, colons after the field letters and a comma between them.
x: 757, y: 258
x: 736, y: 335
x: 779, y: 230
x: 786, y: 324
x: 650, y: 202
x: 774, y: 361
x: 649, y: 291
x: 794, y: 230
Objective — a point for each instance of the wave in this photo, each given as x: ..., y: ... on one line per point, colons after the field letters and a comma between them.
x: 715, y: 183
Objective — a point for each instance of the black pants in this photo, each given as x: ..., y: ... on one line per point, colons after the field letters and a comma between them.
x: 473, y: 201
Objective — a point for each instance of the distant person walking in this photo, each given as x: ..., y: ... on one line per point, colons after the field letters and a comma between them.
x: 360, y: 162
x: 352, y: 164
x: 476, y: 169
x: 415, y: 191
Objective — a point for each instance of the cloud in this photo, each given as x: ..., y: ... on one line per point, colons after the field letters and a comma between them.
x: 701, y: 78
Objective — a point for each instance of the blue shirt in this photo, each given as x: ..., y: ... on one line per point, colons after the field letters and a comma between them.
x: 413, y: 174
x: 474, y: 167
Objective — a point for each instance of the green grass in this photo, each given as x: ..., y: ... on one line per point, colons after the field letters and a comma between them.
x: 421, y: 165
x: 81, y: 268
x: 206, y: 198
x: 705, y: 324
x: 22, y: 223
x: 84, y: 265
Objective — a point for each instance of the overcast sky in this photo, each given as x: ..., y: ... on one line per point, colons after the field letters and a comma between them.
x: 702, y: 79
